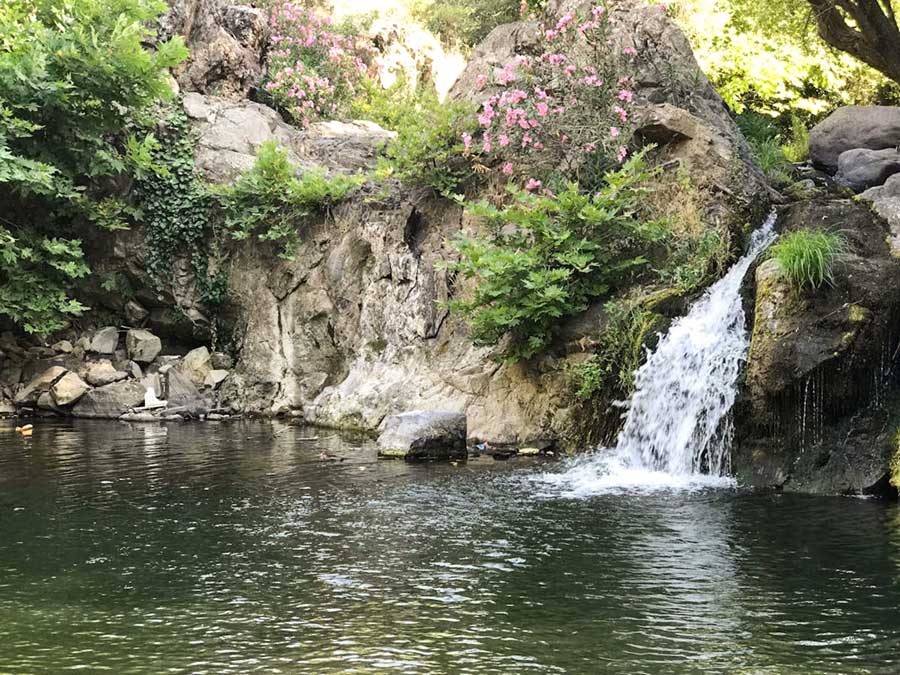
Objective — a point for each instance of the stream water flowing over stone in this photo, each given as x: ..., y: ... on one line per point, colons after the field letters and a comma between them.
x: 677, y: 427
x: 231, y: 548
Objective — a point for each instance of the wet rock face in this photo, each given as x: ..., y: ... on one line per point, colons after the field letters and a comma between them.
x: 817, y: 358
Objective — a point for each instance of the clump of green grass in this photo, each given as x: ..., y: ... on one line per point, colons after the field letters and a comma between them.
x: 797, y: 150
x: 807, y: 256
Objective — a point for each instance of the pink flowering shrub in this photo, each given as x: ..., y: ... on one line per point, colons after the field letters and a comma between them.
x: 567, y: 109
x: 314, y: 68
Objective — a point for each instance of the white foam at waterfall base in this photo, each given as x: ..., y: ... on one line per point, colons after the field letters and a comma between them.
x: 677, y: 431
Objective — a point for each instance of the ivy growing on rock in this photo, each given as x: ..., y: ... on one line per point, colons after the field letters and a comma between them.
x: 176, y: 209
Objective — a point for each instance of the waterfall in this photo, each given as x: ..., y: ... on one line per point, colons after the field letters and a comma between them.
x: 677, y: 420
x: 677, y: 426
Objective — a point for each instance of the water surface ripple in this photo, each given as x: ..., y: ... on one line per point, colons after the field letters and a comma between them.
x: 232, y: 549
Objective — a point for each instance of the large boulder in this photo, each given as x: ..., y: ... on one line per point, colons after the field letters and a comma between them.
x: 861, y: 169
x: 142, y: 345
x: 423, y: 435
x: 180, y: 392
x: 38, y: 385
x: 103, y: 372
x: 105, y: 341
x: 873, y: 127
x: 110, y: 401
x: 819, y: 357
x: 68, y: 389
x: 227, y: 42
x: 196, y: 365
x: 229, y: 134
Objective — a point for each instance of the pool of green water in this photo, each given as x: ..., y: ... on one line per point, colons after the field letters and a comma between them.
x: 231, y: 548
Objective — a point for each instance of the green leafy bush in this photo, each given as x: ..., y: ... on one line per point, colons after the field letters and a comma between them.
x: 807, y: 256
x: 545, y: 258
x: 271, y: 203
x: 428, y: 150
x: 36, y: 278
x: 764, y: 138
x: 73, y: 75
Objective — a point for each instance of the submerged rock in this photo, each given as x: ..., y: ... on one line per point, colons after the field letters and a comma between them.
x: 423, y: 435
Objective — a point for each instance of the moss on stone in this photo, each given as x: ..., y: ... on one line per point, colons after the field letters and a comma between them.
x: 857, y: 313
x: 895, y: 463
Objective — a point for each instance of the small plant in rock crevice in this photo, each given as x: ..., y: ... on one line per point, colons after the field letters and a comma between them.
x: 270, y: 202
x: 807, y: 256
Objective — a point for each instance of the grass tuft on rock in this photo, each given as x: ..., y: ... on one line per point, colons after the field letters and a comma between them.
x: 807, y: 256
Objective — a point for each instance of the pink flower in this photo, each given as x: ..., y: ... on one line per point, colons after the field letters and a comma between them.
x: 533, y: 185
x: 480, y: 81
x: 629, y: 51
x: 621, y: 155
x: 542, y: 109
x: 625, y: 95
x: 597, y: 11
x: 467, y: 141
x: 503, y: 139
x: 507, y: 168
x: 621, y: 112
x: 590, y: 147
x: 570, y: 70
x: 614, y: 132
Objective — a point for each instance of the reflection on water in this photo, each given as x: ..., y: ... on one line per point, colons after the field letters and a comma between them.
x: 232, y: 548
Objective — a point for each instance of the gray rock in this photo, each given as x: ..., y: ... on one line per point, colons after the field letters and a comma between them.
x: 873, y: 127
x: 861, y: 169
x: 63, y: 347
x: 226, y: 41
x: 142, y: 345
x: 45, y: 402
x: 180, y: 391
x: 215, y: 378
x: 110, y: 401
x: 39, y: 384
x: 103, y: 373
x: 221, y: 361
x: 105, y: 341
x: 231, y: 132
x: 135, y: 312
x: 134, y: 370
x: 196, y: 365
x: 84, y: 343
x: 886, y: 202
x: 424, y: 435
x: 7, y: 407
x: 68, y: 389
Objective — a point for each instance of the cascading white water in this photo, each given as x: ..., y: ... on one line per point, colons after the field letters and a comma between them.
x: 677, y: 428
x: 677, y: 420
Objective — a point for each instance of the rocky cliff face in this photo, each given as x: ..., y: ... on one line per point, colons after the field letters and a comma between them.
x: 353, y: 330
